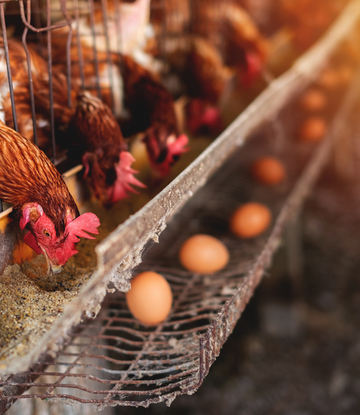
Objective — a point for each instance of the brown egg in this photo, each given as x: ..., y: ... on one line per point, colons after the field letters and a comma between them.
x: 203, y: 254
x: 313, y: 129
x: 150, y: 298
x: 268, y: 170
x: 313, y: 100
x: 249, y: 220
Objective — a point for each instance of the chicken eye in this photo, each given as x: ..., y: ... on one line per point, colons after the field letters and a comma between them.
x: 46, y: 233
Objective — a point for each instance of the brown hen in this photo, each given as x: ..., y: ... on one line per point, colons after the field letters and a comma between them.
x: 149, y: 103
x: 93, y: 130
x: 41, y: 201
x: 210, y: 43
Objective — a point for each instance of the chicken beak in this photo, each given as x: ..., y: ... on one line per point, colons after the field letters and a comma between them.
x: 56, y: 269
x: 51, y: 268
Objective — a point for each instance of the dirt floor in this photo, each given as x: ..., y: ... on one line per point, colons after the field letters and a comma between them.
x: 296, y: 349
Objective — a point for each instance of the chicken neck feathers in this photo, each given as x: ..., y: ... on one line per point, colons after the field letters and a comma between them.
x: 27, y: 175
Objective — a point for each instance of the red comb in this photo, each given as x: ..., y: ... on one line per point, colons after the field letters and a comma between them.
x: 253, y: 69
x: 125, y: 178
x: 87, y: 222
x: 176, y: 147
x: 202, y: 116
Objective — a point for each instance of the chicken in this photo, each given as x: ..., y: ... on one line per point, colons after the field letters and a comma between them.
x: 95, y: 138
x: 150, y: 105
x: 211, y: 43
x: 228, y: 28
x: 152, y: 112
x: 207, y: 79
x: 41, y: 201
x: 106, y: 161
x: 93, y: 129
x: 232, y: 31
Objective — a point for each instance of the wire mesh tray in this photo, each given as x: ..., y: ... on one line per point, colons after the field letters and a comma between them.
x: 126, y: 244
x: 115, y: 360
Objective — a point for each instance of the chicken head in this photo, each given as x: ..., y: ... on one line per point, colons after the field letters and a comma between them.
x: 104, y: 156
x: 164, y: 152
x: 203, y: 117
x: 42, y: 237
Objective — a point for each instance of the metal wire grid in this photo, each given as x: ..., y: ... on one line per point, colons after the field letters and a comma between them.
x: 69, y: 17
x: 114, y: 359
x: 26, y: 19
x: 39, y: 18
x: 36, y: 17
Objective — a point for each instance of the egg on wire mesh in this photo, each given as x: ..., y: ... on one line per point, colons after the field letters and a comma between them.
x: 250, y: 220
x: 313, y: 129
x: 150, y: 298
x: 345, y: 74
x: 268, y: 170
x: 203, y: 254
x: 313, y: 100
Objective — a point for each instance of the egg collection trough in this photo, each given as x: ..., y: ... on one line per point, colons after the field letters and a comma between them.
x: 115, y: 360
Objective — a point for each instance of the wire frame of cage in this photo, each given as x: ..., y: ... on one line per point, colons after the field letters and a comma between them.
x: 36, y: 21
x: 39, y: 18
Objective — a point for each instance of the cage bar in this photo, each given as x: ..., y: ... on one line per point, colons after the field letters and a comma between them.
x: 32, y: 101
x: 6, y: 48
x: 94, y: 34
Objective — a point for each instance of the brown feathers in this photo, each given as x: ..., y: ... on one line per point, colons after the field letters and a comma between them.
x: 19, y: 72
x: 27, y: 175
x: 97, y: 131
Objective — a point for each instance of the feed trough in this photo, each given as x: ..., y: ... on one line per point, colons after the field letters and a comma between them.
x: 114, y: 360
